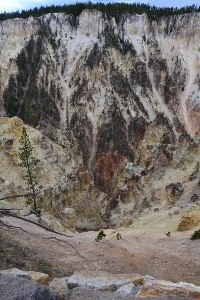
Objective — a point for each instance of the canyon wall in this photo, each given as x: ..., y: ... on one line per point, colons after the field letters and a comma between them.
x: 124, y: 95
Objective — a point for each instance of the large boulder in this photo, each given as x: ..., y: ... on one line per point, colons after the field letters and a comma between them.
x: 35, y: 276
x: 60, y: 285
x: 174, y: 191
x: 156, y: 288
x: 102, y: 281
x: 16, y: 287
x: 39, y: 277
x: 189, y: 221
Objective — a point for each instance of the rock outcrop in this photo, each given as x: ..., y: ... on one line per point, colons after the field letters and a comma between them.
x: 158, y: 288
x: 174, y: 191
x: 38, y: 277
x: 128, y: 286
x: 189, y: 221
x: 14, y: 287
x: 102, y: 281
x: 68, y: 191
x: 95, y: 285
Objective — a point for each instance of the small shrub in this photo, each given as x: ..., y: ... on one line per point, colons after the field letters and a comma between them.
x: 9, y: 260
x: 147, y: 164
x: 119, y: 237
x: 195, y: 235
x: 19, y: 264
x: 101, y: 235
x: 168, y: 234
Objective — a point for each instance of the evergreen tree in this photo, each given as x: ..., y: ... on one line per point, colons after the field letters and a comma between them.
x: 30, y: 170
x: 67, y: 115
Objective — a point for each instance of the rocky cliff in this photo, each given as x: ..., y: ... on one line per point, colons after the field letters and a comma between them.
x: 127, y: 93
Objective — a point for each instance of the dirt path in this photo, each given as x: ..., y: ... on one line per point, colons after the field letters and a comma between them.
x: 145, y: 251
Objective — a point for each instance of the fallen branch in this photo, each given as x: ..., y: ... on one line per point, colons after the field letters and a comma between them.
x: 10, y: 226
x: 44, y: 227
x: 17, y: 196
x: 55, y: 238
x: 29, y: 221
x: 8, y: 209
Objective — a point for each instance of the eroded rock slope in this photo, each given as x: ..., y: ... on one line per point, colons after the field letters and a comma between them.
x: 126, y: 93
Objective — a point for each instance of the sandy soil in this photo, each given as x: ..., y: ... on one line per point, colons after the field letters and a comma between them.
x: 144, y: 248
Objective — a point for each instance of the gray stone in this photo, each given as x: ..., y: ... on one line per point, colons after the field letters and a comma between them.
x: 60, y: 285
x: 16, y: 272
x: 102, y: 281
x: 89, y: 294
x: 19, y: 288
x: 126, y: 290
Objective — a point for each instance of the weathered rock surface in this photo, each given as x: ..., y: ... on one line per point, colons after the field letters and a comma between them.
x: 136, y: 141
x: 194, y: 198
x: 189, y: 221
x: 85, y: 294
x: 38, y: 277
x: 165, y: 288
x: 174, y: 191
x: 70, y: 197
x: 15, y: 287
x: 60, y: 285
x: 128, y: 286
x: 94, y: 285
x: 126, y: 290
x: 102, y: 281
x: 95, y: 76
x: 16, y: 272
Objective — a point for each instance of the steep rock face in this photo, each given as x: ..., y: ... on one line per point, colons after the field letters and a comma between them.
x: 129, y: 91
x: 144, y: 66
x: 56, y: 160
x: 189, y: 221
x: 78, y: 199
x: 63, y: 186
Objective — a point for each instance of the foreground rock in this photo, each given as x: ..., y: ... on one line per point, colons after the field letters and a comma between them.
x: 17, y: 284
x: 89, y: 294
x: 35, y: 276
x: 157, y: 288
x: 60, y: 285
x: 102, y: 281
x: 16, y: 287
x: 99, y: 285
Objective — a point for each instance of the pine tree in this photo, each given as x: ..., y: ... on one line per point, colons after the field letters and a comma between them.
x: 67, y: 115
x: 30, y: 170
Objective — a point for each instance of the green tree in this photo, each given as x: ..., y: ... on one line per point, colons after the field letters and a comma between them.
x: 67, y: 115
x: 30, y: 170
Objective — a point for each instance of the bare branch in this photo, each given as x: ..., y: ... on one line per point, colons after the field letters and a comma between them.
x: 17, y: 196
x: 10, y: 226
x: 30, y: 221
x: 55, y: 238
x: 9, y: 209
